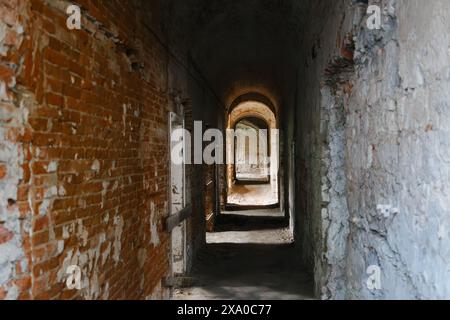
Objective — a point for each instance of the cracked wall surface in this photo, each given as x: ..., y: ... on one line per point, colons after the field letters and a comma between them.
x: 396, y: 150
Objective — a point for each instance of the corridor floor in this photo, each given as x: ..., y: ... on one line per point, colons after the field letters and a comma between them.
x: 251, y: 256
x: 250, y: 195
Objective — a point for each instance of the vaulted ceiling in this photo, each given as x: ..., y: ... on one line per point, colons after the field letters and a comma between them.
x: 239, y: 46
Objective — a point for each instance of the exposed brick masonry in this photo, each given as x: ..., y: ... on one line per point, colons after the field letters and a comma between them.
x: 83, y: 152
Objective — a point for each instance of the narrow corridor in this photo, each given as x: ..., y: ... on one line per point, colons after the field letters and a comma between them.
x: 251, y: 257
x: 134, y: 133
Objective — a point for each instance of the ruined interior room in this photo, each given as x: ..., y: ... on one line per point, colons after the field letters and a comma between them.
x: 344, y: 196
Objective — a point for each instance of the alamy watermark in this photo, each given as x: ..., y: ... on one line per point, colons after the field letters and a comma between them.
x: 374, y: 278
x: 73, y: 281
x: 209, y: 146
x: 73, y: 22
x: 374, y: 20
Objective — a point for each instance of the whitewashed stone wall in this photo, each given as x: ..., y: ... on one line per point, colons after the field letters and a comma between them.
x: 397, y: 148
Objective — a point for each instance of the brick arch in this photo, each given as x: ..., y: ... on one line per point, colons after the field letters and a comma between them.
x: 246, y: 107
x: 252, y: 108
x: 253, y: 97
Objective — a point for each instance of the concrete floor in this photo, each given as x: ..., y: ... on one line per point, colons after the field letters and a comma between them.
x: 250, y: 195
x: 250, y: 257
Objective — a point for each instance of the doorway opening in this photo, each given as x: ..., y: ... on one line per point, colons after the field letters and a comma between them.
x: 251, y: 160
x: 252, y: 157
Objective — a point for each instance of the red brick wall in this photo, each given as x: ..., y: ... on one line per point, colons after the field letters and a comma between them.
x: 85, y: 126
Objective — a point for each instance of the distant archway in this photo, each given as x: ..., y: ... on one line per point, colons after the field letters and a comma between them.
x: 250, y: 182
x: 251, y: 160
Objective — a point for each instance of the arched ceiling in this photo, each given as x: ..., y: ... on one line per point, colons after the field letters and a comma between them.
x: 240, y: 46
x: 252, y: 109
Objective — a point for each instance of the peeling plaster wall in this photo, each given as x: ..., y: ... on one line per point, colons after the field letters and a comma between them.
x: 396, y: 104
x: 318, y: 222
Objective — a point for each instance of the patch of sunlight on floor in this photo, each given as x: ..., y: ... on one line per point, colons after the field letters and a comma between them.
x: 250, y: 195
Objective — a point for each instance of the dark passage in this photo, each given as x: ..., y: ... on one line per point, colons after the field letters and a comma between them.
x: 135, y: 141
